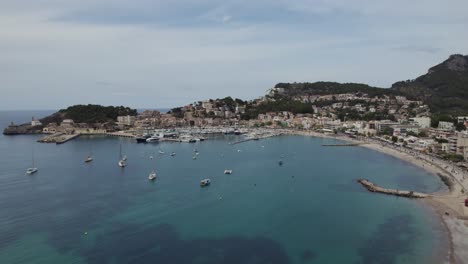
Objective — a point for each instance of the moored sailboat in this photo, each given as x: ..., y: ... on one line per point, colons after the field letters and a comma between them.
x: 121, y: 162
x: 33, y: 169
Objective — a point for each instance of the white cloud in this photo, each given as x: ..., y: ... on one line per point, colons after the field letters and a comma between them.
x: 226, y: 18
x: 147, y: 64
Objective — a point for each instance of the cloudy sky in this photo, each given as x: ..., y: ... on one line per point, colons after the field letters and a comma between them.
x: 157, y: 54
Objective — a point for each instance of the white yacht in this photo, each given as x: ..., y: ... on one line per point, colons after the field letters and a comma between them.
x: 152, y: 176
x: 227, y: 171
x: 88, y: 159
x: 187, y: 139
x: 153, y: 139
x: 205, y: 182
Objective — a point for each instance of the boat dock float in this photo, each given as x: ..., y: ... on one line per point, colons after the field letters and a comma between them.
x: 117, y: 134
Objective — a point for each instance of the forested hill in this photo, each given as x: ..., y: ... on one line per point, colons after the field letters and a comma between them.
x: 444, y: 88
x: 322, y: 88
x: 89, y: 114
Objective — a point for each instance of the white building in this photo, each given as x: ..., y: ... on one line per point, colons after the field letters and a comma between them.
x: 126, y: 120
x: 404, y: 129
x: 446, y: 125
x: 383, y: 124
x: 207, y: 105
x: 337, y: 105
x: 240, y: 109
x: 67, y: 123
x: 423, y: 122
x: 35, y: 122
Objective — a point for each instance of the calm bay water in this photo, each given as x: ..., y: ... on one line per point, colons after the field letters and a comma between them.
x: 310, y: 210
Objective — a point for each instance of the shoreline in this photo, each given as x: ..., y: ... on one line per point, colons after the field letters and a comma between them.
x: 442, y: 202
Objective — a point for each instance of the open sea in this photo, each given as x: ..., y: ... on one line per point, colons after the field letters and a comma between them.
x: 310, y: 210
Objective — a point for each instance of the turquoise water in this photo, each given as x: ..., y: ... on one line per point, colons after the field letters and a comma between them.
x: 310, y: 210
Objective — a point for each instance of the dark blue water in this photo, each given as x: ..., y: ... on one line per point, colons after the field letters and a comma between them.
x: 310, y: 210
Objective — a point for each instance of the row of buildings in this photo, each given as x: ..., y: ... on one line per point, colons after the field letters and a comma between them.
x: 409, y: 122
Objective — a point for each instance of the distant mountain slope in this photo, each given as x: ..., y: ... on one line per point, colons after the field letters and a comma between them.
x: 444, y: 88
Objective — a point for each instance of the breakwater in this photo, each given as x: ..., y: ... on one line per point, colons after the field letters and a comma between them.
x: 58, y: 138
x: 374, y: 188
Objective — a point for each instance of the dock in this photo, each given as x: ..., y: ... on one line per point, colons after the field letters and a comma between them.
x: 257, y: 137
x: 170, y: 139
x: 374, y: 188
x: 242, y: 141
x: 119, y: 134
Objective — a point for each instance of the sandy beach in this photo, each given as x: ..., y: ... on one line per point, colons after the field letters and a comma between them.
x: 449, y: 204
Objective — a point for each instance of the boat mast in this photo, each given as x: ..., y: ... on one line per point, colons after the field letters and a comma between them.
x: 32, y: 157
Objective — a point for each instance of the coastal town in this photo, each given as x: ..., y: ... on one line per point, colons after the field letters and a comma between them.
x: 231, y: 132
x: 409, y: 123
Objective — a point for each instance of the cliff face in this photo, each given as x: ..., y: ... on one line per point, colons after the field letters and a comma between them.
x: 444, y: 88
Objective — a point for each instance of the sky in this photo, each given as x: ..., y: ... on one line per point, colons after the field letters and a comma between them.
x: 161, y: 54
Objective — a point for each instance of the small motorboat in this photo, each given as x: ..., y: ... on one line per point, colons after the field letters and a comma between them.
x: 280, y: 163
x: 173, y: 154
x: 152, y: 176
x: 161, y: 152
x: 122, y: 163
x: 31, y: 170
x: 227, y: 171
x: 88, y: 159
x: 205, y: 182
x: 151, y: 157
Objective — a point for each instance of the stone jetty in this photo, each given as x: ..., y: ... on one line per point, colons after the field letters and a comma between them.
x: 58, y: 138
x: 374, y: 188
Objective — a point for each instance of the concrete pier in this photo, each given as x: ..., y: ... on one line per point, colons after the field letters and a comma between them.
x: 258, y: 137
x: 342, y: 145
x: 374, y: 188
x: 58, y: 138
x: 118, y: 134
